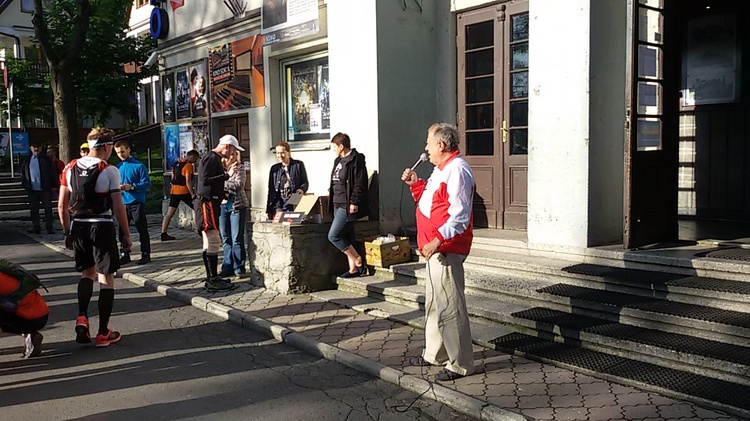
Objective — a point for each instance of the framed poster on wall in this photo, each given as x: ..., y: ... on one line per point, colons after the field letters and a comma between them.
x: 308, y: 106
x: 712, y: 61
x: 167, y: 85
x: 198, y: 88
x: 183, y: 94
x: 236, y: 74
x: 172, y: 145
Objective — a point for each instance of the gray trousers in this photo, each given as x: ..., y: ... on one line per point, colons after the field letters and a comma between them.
x: 447, y: 331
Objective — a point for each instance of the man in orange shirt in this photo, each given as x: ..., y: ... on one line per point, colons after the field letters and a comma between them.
x: 22, y: 312
x: 181, y: 190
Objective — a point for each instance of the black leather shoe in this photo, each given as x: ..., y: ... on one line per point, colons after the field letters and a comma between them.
x: 446, y: 375
x: 35, y: 231
x: 419, y: 362
x: 144, y: 259
x: 124, y: 259
x: 348, y: 274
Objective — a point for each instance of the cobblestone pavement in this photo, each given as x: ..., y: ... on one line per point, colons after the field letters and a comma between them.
x: 535, y: 390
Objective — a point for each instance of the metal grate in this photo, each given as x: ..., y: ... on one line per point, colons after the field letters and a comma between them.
x: 733, y: 253
x: 584, y: 297
x: 571, y: 325
x: 678, y: 381
x: 658, y: 280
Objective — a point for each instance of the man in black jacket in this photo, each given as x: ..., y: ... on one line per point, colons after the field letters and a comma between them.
x: 38, y: 178
x: 209, y: 191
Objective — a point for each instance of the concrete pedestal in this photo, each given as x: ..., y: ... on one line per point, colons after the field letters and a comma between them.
x: 293, y: 259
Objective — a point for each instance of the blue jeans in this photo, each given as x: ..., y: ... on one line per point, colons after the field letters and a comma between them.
x: 232, y: 229
x: 341, y: 233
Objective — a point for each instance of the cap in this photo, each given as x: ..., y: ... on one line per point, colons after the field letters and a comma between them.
x: 228, y: 139
x: 84, y: 145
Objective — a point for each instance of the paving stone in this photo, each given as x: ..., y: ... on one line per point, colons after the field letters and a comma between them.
x: 540, y: 391
x: 570, y: 414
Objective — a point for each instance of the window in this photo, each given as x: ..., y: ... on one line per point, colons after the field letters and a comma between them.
x: 141, y: 3
x: 307, y: 98
x: 27, y: 6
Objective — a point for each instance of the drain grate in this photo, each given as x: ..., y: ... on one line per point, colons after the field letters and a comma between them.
x: 659, y: 280
x: 571, y: 325
x: 727, y: 393
x: 579, y: 295
x: 731, y: 253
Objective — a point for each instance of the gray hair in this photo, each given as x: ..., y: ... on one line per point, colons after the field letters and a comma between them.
x: 446, y: 133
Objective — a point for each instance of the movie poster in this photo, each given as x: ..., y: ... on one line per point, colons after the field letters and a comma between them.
x: 183, y: 94
x: 186, y: 139
x: 167, y: 86
x: 308, y: 98
x: 200, y: 137
x: 172, y: 144
x: 236, y: 74
x: 198, y: 88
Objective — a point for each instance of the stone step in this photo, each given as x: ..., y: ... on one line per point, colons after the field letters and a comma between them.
x: 593, y: 362
x: 721, y: 318
x: 695, y: 355
x: 715, y: 393
x: 12, y: 191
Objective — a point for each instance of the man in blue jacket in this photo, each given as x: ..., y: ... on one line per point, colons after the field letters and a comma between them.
x: 134, y: 183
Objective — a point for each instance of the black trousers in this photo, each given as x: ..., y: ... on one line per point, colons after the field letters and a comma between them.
x: 10, y: 323
x: 45, y: 197
x: 137, y: 214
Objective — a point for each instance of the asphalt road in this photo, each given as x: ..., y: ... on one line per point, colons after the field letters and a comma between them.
x: 176, y: 362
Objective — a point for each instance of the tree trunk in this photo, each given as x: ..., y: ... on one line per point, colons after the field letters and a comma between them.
x: 66, y: 112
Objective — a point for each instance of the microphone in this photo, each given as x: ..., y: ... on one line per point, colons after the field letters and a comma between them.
x: 422, y: 158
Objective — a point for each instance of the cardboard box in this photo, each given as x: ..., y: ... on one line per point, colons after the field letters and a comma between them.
x: 384, y: 255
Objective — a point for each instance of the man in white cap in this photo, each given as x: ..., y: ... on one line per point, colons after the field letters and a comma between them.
x: 209, y: 193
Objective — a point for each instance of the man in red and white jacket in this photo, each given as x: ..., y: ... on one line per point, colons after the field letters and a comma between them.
x: 444, y: 234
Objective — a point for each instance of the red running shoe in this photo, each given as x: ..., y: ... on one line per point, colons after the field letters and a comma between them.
x: 82, y: 330
x: 110, y: 338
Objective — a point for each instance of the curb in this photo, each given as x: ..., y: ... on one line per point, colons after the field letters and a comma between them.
x: 459, y: 401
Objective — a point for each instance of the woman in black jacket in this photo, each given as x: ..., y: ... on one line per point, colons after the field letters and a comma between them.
x: 348, y: 200
x: 286, y: 177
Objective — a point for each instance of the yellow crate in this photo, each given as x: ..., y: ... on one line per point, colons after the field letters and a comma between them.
x: 384, y: 255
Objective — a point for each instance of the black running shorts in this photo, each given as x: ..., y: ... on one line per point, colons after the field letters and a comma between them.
x: 175, y: 199
x: 207, y: 214
x: 95, y: 244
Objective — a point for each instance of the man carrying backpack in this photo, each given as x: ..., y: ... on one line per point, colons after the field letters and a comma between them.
x: 22, y: 309
x: 90, y: 194
x: 181, y: 190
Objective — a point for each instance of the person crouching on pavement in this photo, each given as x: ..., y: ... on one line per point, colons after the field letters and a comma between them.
x: 22, y: 309
x: 209, y: 194
x: 91, y: 234
x: 134, y: 183
x: 444, y: 235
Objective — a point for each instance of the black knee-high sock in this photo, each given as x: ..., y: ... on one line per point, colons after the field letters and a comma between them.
x: 206, y: 264
x: 106, y: 302
x: 213, y: 261
x: 85, y: 291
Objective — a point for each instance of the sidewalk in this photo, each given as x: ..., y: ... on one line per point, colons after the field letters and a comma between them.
x: 505, y: 386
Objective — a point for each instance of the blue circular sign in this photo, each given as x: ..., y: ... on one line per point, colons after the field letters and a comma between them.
x: 159, y: 23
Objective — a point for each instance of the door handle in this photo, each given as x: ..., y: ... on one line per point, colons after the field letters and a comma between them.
x: 504, y: 128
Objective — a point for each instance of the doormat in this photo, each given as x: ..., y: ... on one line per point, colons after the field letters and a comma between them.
x: 733, y: 253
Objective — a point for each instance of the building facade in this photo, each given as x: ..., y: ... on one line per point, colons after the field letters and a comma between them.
x: 585, y: 122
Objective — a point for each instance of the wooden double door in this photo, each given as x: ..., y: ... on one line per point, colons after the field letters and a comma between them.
x: 239, y: 128
x: 493, y: 90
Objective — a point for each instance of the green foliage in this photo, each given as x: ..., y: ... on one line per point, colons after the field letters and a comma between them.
x: 31, y: 91
x: 102, y: 85
x: 155, y: 196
